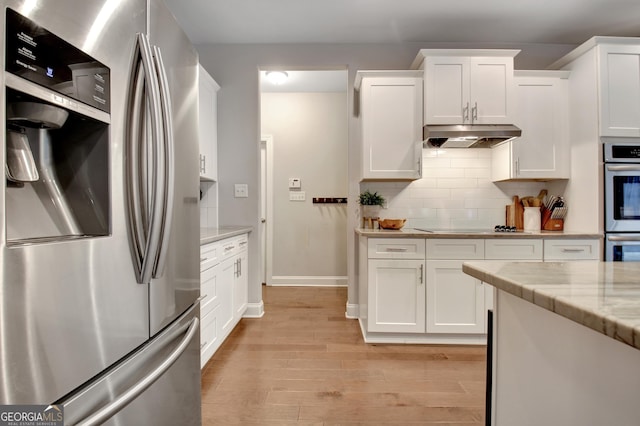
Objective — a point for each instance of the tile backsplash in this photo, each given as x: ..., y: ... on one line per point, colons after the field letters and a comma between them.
x: 209, y: 204
x: 455, y: 192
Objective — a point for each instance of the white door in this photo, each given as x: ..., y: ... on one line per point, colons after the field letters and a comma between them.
x: 396, y: 296
x: 391, y: 126
x: 446, y: 90
x: 492, y: 95
x: 620, y: 91
x: 240, y: 283
x: 226, y: 282
x: 455, y: 300
x: 543, y: 114
x: 266, y: 207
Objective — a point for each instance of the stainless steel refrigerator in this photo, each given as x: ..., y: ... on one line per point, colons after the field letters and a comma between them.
x: 99, y: 213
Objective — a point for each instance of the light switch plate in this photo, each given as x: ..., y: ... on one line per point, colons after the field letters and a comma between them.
x: 295, y: 183
x: 297, y: 196
x: 241, y: 190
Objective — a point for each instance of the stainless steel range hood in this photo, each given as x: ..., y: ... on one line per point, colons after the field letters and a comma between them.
x: 468, y: 136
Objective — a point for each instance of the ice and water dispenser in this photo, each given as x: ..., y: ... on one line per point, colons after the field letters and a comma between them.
x: 57, y: 161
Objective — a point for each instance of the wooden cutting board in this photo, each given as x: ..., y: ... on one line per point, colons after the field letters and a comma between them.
x: 510, y: 219
x: 518, y: 213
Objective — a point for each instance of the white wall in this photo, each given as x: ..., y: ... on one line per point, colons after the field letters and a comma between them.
x: 235, y: 68
x: 310, y: 142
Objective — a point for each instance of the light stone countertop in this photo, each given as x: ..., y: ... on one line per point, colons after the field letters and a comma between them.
x: 210, y: 235
x: 414, y: 233
x: 603, y: 296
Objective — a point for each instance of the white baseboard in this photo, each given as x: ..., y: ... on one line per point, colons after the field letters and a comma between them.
x: 352, y: 311
x: 302, y: 281
x: 254, y: 310
x: 421, y: 339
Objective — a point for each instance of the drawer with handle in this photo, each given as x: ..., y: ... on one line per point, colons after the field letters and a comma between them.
x: 513, y: 249
x: 232, y: 246
x: 209, y: 256
x: 396, y: 248
x: 571, y: 249
x: 455, y: 249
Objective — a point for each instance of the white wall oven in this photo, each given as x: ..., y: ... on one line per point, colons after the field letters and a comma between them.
x: 622, y: 201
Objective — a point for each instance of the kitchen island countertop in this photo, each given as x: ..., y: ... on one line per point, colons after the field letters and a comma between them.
x: 603, y: 296
x: 415, y: 233
x: 210, y: 235
x: 564, y: 342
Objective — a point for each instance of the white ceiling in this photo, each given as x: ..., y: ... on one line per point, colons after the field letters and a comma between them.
x: 397, y: 21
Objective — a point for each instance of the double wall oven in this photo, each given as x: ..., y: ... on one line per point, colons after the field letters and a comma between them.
x: 622, y: 201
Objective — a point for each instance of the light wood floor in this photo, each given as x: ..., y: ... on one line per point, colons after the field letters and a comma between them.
x: 303, y: 363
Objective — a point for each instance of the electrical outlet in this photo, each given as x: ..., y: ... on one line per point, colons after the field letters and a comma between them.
x: 241, y: 190
x: 297, y: 196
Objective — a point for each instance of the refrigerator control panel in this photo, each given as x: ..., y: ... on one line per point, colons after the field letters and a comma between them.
x: 40, y: 56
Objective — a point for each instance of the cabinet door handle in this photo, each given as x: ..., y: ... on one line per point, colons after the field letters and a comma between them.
x: 474, y: 113
x: 465, y: 113
x: 518, y: 166
x: 570, y: 250
x: 203, y: 163
x: 421, y: 274
x: 397, y: 249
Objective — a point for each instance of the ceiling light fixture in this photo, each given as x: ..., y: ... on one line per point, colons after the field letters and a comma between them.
x: 276, y: 77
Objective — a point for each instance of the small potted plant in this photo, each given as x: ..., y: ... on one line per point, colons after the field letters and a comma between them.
x: 371, y: 204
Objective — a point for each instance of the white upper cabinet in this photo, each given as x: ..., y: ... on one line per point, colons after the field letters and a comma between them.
x: 208, y: 125
x: 391, y: 124
x: 542, y: 112
x: 619, y: 90
x: 467, y: 86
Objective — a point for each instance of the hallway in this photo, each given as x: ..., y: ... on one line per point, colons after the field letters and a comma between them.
x: 303, y: 363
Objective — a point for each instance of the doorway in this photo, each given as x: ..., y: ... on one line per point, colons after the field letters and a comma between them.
x: 303, y: 168
x: 266, y: 206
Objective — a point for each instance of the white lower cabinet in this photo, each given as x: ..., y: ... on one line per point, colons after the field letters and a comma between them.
x: 210, y: 304
x: 209, y: 335
x: 455, y: 300
x: 224, y: 283
x: 396, y: 296
x: 416, y: 290
x: 240, y: 282
x: 227, y: 276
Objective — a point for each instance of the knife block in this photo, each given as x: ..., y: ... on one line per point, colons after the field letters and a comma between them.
x: 549, y: 224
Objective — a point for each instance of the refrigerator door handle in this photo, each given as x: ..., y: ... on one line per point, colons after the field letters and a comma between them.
x: 146, y: 210
x: 135, y: 205
x: 168, y: 177
x: 133, y: 392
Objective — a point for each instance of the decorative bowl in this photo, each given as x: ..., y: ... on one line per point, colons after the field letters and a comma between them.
x: 391, y: 223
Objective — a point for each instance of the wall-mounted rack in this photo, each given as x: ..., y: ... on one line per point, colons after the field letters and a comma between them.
x: 329, y: 200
